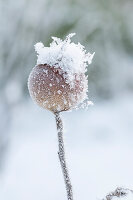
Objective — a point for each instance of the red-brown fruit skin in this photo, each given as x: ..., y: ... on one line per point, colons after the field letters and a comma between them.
x: 50, y: 90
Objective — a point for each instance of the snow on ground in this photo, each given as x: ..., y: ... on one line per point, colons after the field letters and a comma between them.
x: 99, y: 147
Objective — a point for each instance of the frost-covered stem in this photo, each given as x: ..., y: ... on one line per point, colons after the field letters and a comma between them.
x: 119, y: 192
x: 61, y: 154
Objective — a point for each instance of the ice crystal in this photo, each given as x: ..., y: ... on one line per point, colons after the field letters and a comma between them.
x: 70, y: 57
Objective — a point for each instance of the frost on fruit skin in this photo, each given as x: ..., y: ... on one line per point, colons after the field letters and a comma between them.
x: 54, y: 95
x: 58, y: 81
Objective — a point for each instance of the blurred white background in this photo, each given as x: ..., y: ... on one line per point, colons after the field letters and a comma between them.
x: 99, y: 142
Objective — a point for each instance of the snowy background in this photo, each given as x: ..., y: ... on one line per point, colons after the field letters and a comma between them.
x: 99, y: 142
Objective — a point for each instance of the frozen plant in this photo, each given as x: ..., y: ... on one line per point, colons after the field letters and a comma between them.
x: 58, y: 83
x: 120, y: 194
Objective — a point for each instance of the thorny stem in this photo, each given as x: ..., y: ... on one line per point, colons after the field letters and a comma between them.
x: 61, y: 154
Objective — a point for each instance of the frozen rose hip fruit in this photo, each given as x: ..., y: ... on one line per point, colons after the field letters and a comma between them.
x: 58, y: 81
x: 51, y: 91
